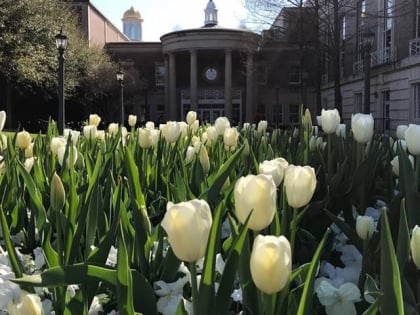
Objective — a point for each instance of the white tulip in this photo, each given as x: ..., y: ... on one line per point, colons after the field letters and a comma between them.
x: 330, y: 120
x: 412, y: 136
x: 362, y: 127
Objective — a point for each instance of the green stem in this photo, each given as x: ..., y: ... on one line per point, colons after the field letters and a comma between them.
x: 417, y: 168
x: 293, y: 229
x: 59, y: 240
x: 330, y: 165
x: 194, y: 287
x: 269, y: 301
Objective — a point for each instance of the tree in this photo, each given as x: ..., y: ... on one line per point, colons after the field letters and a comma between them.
x: 28, y: 56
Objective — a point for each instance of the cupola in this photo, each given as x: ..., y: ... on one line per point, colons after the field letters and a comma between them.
x: 210, y: 14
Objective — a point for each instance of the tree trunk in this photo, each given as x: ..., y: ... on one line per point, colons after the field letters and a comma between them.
x: 336, y: 57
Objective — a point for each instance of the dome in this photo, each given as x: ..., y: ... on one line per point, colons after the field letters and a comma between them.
x: 132, y: 14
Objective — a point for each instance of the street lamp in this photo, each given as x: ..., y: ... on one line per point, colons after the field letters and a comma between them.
x: 120, y: 78
x: 61, y: 43
x: 368, y: 38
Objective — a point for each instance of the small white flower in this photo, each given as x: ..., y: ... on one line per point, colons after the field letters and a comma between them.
x: 237, y: 295
x: 338, y: 301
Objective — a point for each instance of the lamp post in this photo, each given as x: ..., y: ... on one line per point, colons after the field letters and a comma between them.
x: 120, y: 79
x: 61, y: 43
x: 368, y: 37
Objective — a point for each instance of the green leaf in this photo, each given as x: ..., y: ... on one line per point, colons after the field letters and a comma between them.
x: 217, y: 180
x: 36, y: 196
x: 403, y: 245
x: 306, y: 301
x: 14, y: 260
x: 124, y: 279
x: 392, y: 302
x: 206, y: 292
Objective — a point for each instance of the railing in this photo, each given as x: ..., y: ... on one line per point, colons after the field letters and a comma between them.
x: 383, y: 56
x: 378, y: 57
x: 414, y: 47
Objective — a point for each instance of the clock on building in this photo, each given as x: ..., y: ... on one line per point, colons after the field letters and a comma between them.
x: 210, y: 73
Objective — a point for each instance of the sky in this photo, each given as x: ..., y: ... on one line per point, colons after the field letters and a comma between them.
x: 164, y: 16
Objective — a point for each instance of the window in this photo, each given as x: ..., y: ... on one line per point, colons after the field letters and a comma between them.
x: 416, y: 99
x: 343, y: 27
x: 386, y: 104
x: 294, y: 74
x: 358, y: 102
x: 293, y: 113
x: 387, y: 28
x: 160, y: 74
x: 277, y: 115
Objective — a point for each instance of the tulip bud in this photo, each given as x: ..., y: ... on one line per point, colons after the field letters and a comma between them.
x: 58, y: 194
x: 191, y: 117
x: 94, y: 120
x: 3, y: 142
x: 365, y: 226
x: 257, y: 193
x: 330, y: 120
x: 271, y: 263
x: 132, y: 120
x: 415, y: 246
x: 262, y: 126
x: 362, y: 127
x: 275, y: 168
x: 246, y: 126
x: 319, y: 121
x: 396, y: 166
x: 56, y: 143
x: 171, y: 131
x: 312, y: 143
x: 188, y: 227
x: 144, y: 137
x: 401, y: 143
x: 211, y: 133
x: 155, y: 135
x: 89, y: 132
x: 246, y: 150
x: 204, y: 159
x: 401, y: 129
x: 100, y: 135
x: 412, y: 136
x: 299, y: 183
x: 307, y: 120
x: 230, y: 138
x: 221, y: 124
x: 30, y: 304
x: 74, y: 135
x: 341, y: 131
x: 29, y: 151
x: 2, y: 119
x: 23, y: 139
x: 150, y: 125
x: 190, y: 154
x: 28, y: 164
x: 113, y: 129
x: 61, y: 152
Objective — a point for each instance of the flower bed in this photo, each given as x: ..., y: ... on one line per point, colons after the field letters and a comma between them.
x: 210, y: 219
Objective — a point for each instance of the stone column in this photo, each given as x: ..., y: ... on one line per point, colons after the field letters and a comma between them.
x: 228, y: 84
x: 193, y: 80
x: 172, y: 88
x: 166, y: 90
x: 249, y: 106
